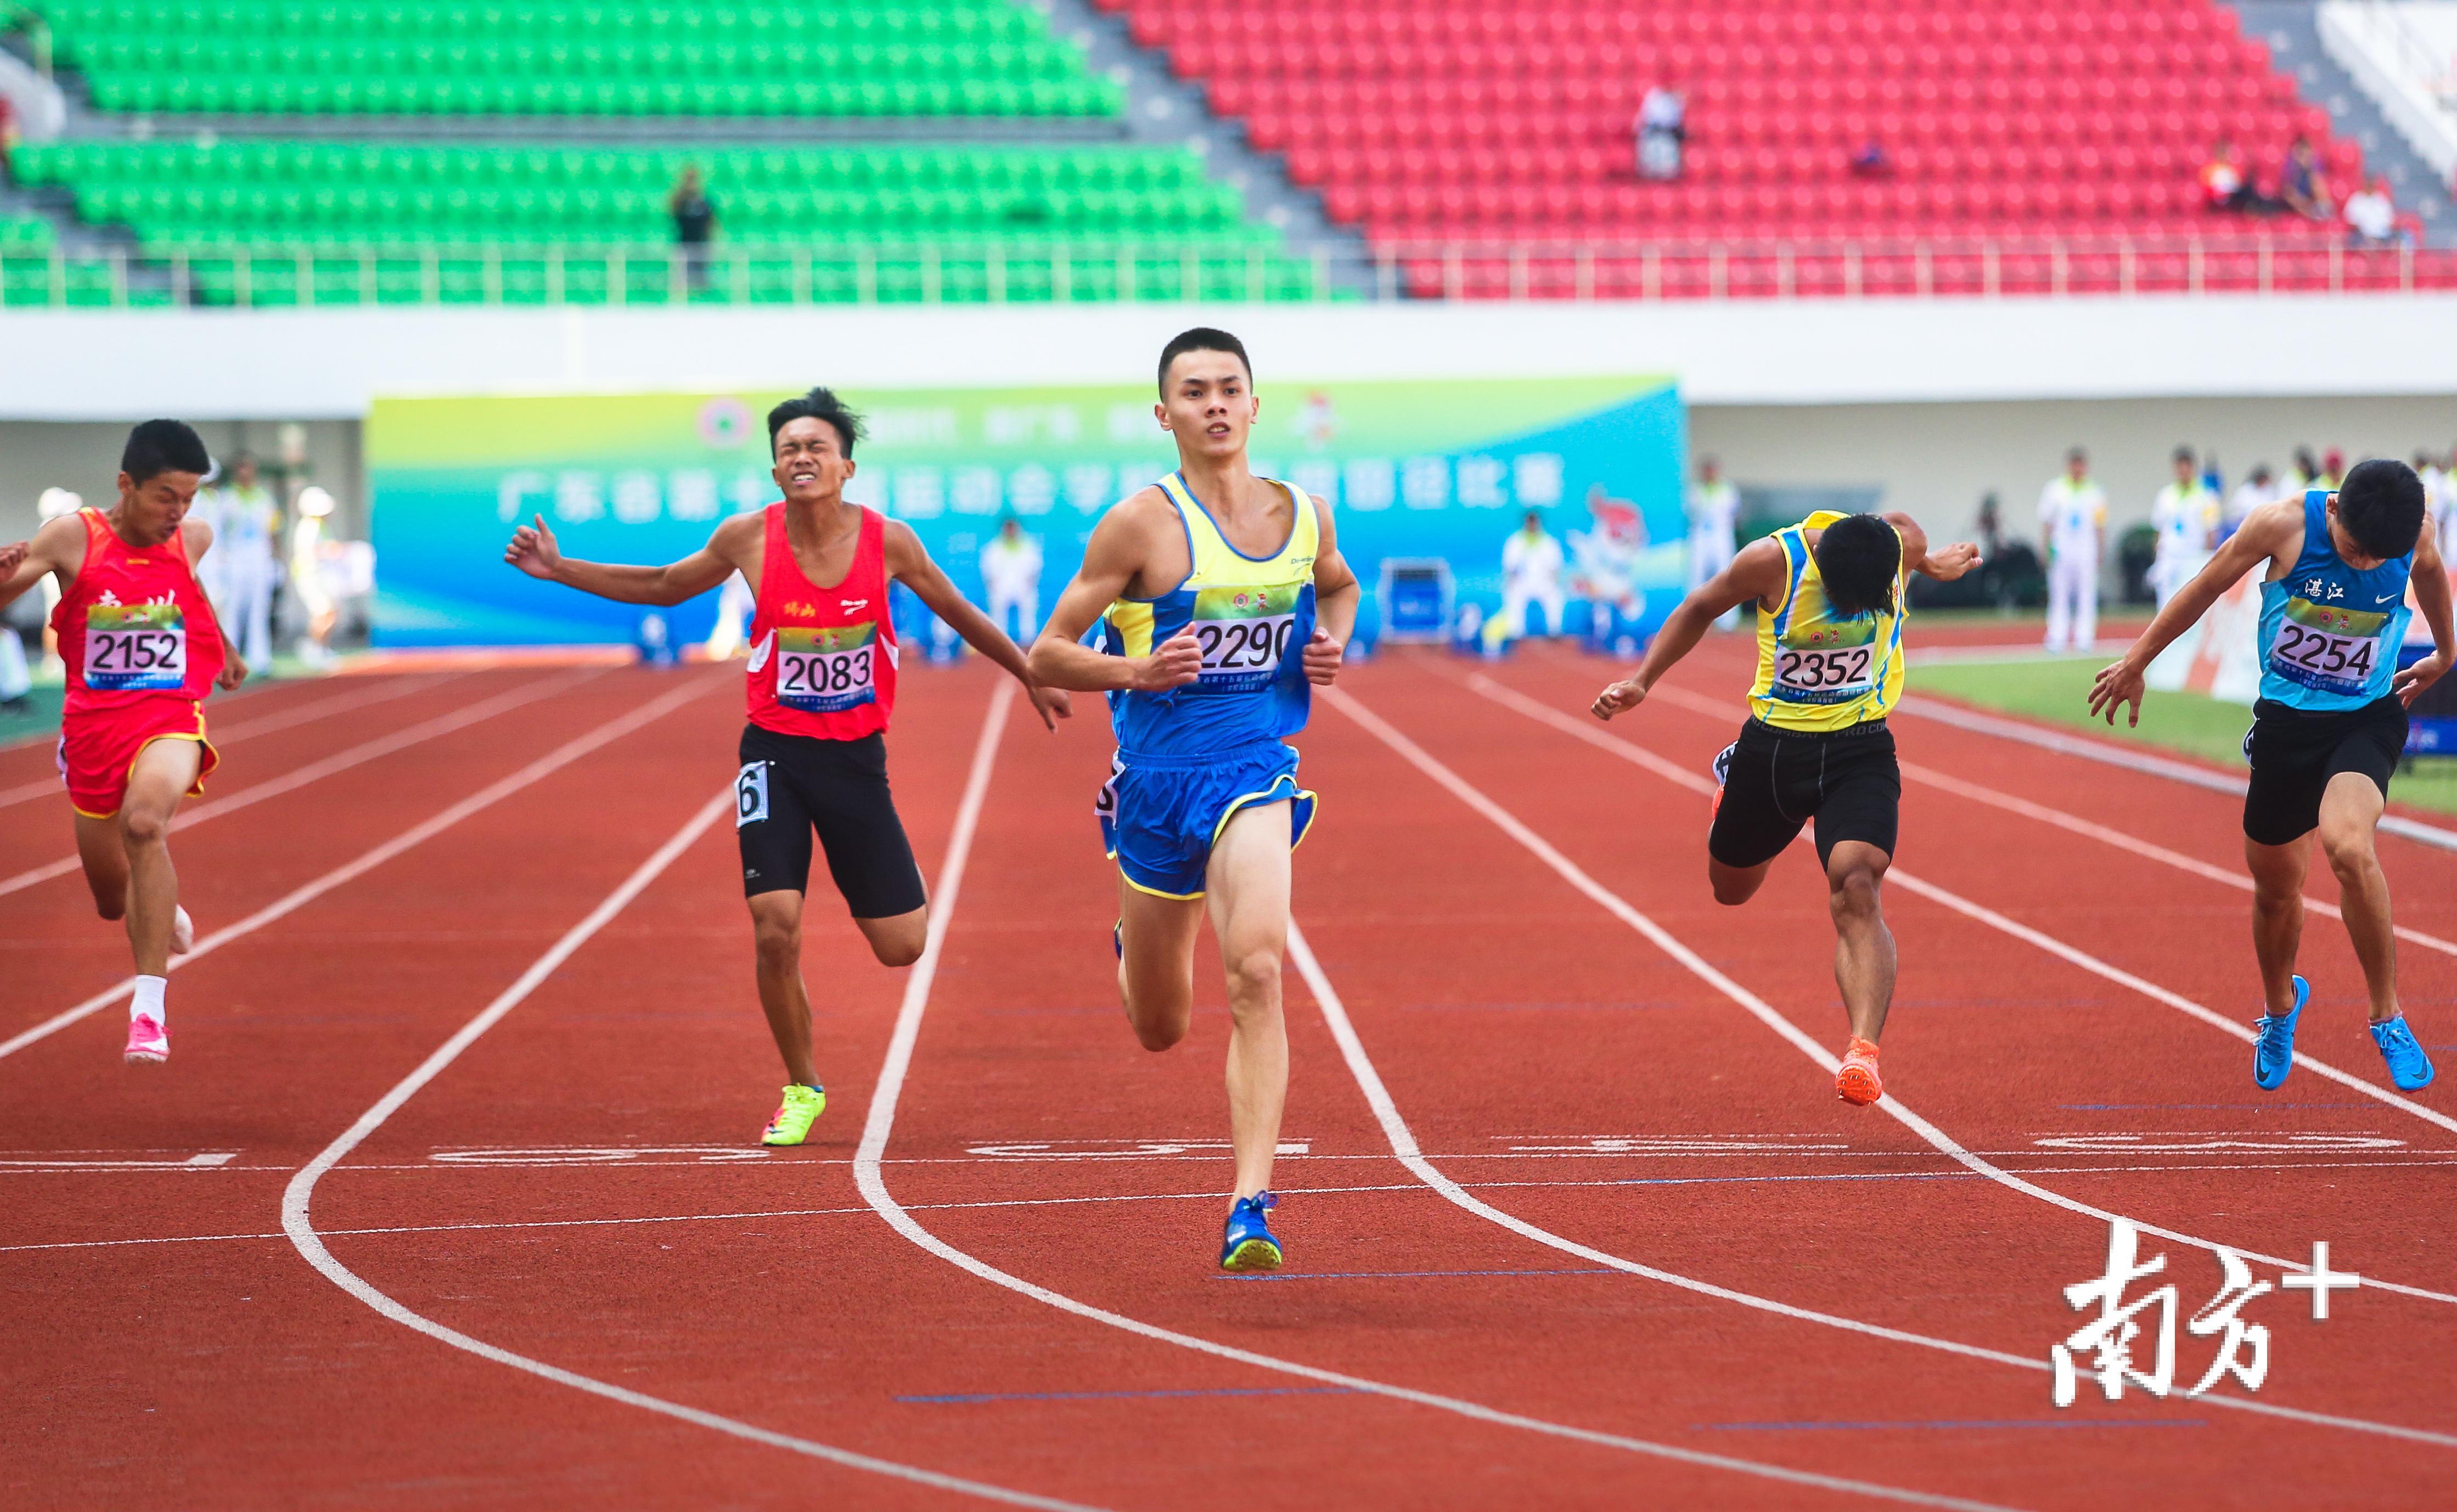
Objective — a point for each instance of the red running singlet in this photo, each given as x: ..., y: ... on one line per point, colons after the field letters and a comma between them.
x: 822, y: 659
x: 136, y: 625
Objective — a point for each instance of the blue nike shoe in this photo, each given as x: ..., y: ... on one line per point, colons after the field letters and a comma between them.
x: 1248, y: 1244
x: 2272, y: 1051
x: 2407, y: 1066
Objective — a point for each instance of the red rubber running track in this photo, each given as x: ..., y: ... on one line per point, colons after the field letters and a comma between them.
x: 449, y: 1196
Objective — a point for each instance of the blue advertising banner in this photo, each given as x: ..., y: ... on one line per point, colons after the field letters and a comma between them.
x: 1413, y: 469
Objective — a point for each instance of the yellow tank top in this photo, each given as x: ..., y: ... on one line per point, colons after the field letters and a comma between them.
x: 1253, y: 616
x: 1819, y: 672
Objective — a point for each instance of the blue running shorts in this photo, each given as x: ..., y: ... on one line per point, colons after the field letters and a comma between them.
x: 1160, y: 815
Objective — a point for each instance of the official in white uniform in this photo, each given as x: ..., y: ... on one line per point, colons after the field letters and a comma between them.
x: 2257, y: 489
x: 1531, y: 574
x: 1011, y: 579
x: 2186, y: 517
x: 2072, y: 529
x: 309, y: 582
x: 1714, y: 525
x: 242, y: 569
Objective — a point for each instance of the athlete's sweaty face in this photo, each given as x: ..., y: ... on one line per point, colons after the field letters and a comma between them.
x: 1208, y: 405
x: 149, y: 512
x: 811, y: 464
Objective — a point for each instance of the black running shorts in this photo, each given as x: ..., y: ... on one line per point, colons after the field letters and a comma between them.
x: 1779, y: 779
x: 2295, y: 754
x: 792, y: 786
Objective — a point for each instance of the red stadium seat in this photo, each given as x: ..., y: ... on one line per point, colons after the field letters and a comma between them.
x: 1476, y: 118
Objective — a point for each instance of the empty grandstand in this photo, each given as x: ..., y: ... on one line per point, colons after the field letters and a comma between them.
x: 314, y: 152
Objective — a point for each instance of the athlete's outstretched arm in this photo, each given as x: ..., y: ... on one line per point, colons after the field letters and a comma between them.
x: 1944, y: 564
x: 2266, y: 533
x: 1336, y: 595
x: 908, y: 562
x: 2430, y: 579
x: 535, y: 551
x: 58, y: 545
x: 1121, y: 545
x: 1756, y: 572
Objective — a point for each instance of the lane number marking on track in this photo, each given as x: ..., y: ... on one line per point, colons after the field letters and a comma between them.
x: 1122, y: 1148
x: 2110, y: 1144
x: 1682, y: 1144
x: 600, y: 1155
x: 85, y: 1160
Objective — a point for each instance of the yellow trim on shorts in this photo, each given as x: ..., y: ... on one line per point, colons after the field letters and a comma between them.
x: 1154, y: 892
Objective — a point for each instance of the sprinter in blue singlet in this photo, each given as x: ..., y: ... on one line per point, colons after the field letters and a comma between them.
x: 2325, y: 737
x: 1220, y: 601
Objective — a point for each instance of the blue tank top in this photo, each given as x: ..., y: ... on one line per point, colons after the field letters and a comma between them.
x: 1253, y: 616
x: 2331, y: 635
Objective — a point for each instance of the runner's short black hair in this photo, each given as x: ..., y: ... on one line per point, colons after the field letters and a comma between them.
x: 158, y: 447
x: 1858, y: 558
x: 819, y: 404
x: 2380, y: 506
x: 1201, y: 338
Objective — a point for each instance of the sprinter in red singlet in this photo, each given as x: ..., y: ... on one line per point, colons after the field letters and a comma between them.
x: 823, y: 684
x: 143, y: 651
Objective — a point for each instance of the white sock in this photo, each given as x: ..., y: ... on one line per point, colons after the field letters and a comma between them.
x: 149, y: 998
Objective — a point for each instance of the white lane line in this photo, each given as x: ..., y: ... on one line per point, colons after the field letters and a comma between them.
x: 881, y: 1125
x: 297, y: 1220
x: 298, y: 898
x: 1664, y: 940
x: 1639, y: 756
x: 339, y: 761
x: 1209, y: 1195
x: 2090, y: 749
x: 2072, y: 824
x: 1403, y: 1143
x: 383, y: 691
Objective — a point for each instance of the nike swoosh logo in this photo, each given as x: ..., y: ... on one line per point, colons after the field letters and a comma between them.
x: 2388, y: 598
x: 855, y: 603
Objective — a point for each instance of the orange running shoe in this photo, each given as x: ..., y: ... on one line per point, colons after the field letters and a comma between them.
x: 1858, y: 1083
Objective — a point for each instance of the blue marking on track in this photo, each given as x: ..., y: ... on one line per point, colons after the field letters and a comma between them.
x: 1393, y: 1276
x: 1959, y: 1423
x: 967, y: 1399
x: 2104, y: 1107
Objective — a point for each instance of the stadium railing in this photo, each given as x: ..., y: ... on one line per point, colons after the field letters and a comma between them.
x: 1008, y: 271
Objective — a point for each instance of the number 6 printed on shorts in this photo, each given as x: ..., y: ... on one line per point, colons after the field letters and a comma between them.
x: 750, y: 794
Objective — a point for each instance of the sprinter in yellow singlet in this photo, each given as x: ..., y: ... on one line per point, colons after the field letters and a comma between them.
x: 1222, y: 600
x: 1829, y: 599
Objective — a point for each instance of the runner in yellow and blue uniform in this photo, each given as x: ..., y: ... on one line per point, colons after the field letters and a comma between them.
x: 1190, y: 757
x: 2329, y: 728
x: 1221, y: 597
x: 1829, y: 623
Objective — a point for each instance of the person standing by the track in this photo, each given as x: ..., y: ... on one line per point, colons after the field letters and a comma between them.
x: 1829, y: 593
x: 1714, y: 527
x: 2185, y: 514
x: 821, y: 687
x: 1224, y: 598
x: 2329, y: 728
x: 2073, y: 532
x: 143, y: 652
x: 246, y: 566
x: 1011, y: 579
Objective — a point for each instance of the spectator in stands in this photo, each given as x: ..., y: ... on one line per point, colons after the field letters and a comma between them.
x: 2301, y: 184
x: 2224, y: 184
x: 2333, y: 470
x: 694, y: 223
x: 2371, y: 218
x: 2258, y: 488
x: 1662, y: 126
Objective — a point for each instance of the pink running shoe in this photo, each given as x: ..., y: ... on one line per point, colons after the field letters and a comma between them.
x: 149, y: 1041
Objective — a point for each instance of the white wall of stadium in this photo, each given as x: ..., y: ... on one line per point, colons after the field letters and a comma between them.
x: 1932, y: 400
